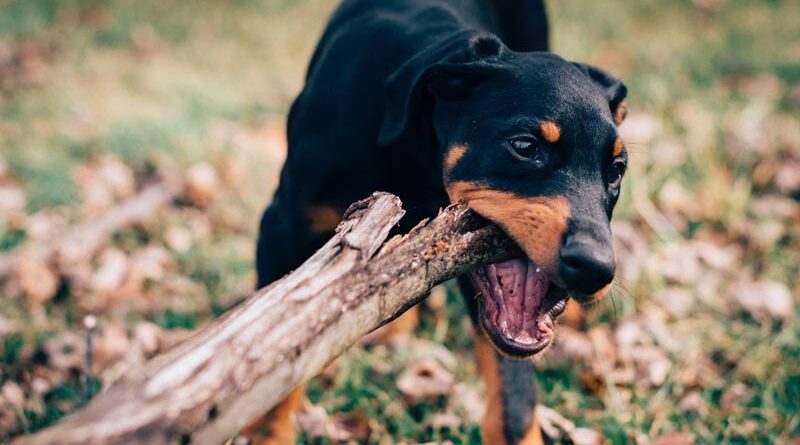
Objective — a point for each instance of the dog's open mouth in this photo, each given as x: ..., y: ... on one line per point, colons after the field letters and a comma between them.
x: 518, y: 305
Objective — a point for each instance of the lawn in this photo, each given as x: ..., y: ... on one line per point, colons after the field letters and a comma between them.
x: 699, y: 342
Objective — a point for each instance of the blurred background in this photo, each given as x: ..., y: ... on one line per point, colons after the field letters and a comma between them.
x: 105, y: 105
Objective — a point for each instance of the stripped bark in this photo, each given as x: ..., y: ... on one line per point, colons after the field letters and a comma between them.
x: 82, y: 241
x: 209, y: 387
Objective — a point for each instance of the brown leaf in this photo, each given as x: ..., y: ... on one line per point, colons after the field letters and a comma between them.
x: 763, y: 298
x: 201, y: 184
x: 36, y: 278
x: 585, y: 436
x: 675, y: 439
x: 678, y: 302
x: 66, y: 351
x: 112, y: 270
x: 349, y: 426
x: 313, y: 420
x: 110, y: 346
x: 146, y: 336
x: 693, y: 402
x: 13, y: 394
x: 553, y: 424
x: 425, y: 380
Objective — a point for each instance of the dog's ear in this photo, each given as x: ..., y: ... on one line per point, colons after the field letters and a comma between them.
x: 616, y: 91
x: 449, y: 70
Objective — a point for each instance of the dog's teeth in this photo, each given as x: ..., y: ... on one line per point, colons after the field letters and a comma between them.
x: 524, y: 338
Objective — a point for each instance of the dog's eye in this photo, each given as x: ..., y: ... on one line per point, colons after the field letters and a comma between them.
x: 616, y: 172
x: 525, y: 148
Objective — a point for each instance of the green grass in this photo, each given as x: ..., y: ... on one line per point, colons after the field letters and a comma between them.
x: 153, y: 82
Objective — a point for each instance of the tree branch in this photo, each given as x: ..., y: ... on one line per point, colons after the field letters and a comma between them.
x: 211, y: 386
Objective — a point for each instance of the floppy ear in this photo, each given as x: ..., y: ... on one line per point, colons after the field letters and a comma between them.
x: 449, y: 70
x: 614, y: 88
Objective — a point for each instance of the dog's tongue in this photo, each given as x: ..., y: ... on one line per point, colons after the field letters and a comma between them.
x: 517, y: 288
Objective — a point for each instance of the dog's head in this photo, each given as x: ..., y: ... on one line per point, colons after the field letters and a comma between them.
x: 530, y: 142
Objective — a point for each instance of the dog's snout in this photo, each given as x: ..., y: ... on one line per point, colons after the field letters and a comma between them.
x: 587, y: 265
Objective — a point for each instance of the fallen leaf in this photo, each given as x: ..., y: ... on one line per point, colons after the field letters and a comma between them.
x: 349, y: 426
x: 313, y: 420
x: 36, y: 278
x: 553, y: 424
x: 677, y: 301
x: 66, y: 351
x: 585, y: 436
x: 693, y: 402
x: 467, y: 400
x: 763, y: 298
x: 675, y: 439
x: 13, y: 394
x: 425, y: 380
x: 111, y: 271
x: 109, y: 346
x: 201, y: 184
x: 146, y: 336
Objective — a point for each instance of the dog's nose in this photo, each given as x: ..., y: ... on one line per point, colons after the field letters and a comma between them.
x: 587, y: 265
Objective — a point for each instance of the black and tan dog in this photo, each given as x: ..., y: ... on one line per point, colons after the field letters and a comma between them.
x: 440, y: 101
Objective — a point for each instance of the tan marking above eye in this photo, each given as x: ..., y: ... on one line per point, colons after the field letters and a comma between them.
x: 618, y: 146
x: 537, y: 224
x: 620, y: 113
x: 454, y: 154
x: 550, y: 131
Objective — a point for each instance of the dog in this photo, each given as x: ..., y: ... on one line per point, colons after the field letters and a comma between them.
x: 443, y: 101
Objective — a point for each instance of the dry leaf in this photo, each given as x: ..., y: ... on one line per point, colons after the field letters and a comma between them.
x: 678, y: 302
x: 313, y: 420
x: 201, y: 184
x: 112, y: 270
x: 553, y: 424
x: 693, y: 402
x: 675, y: 439
x: 13, y: 394
x: 763, y: 298
x: 585, y: 436
x: 425, y: 380
x: 467, y: 400
x: 66, y: 351
x: 179, y: 239
x: 12, y: 202
x: 146, y: 336
x: 109, y: 347
x: 349, y: 426
x: 36, y: 278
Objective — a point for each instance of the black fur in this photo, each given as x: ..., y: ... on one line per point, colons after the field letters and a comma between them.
x: 394, y: 83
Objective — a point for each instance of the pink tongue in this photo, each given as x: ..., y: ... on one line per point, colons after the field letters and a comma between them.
x: 518, y: 286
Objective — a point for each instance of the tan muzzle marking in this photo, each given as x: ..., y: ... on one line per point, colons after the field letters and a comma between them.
x: 537, y: 224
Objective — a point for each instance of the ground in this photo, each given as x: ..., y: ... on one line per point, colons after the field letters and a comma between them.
x: 699, y: 343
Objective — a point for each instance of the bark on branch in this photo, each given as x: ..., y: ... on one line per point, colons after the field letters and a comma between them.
x: 227, y: 374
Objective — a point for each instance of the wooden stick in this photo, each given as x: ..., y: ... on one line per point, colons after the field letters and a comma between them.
x: 241, y: 365
x: 78, y: 243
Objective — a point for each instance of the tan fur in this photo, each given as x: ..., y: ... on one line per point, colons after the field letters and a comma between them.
x: 323, y: 218
x: 621, y: 113
x: 618, y: 146
x: 534, y: 434
x: 492, y: 426
x: 573, y: 316
x: 454, y: 154
x: 550, y: 131
x: 404, y: 324
x: 277, y: 426
x: 537, y: 224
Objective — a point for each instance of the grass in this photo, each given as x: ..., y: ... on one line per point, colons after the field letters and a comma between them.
x: 713, y: 119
